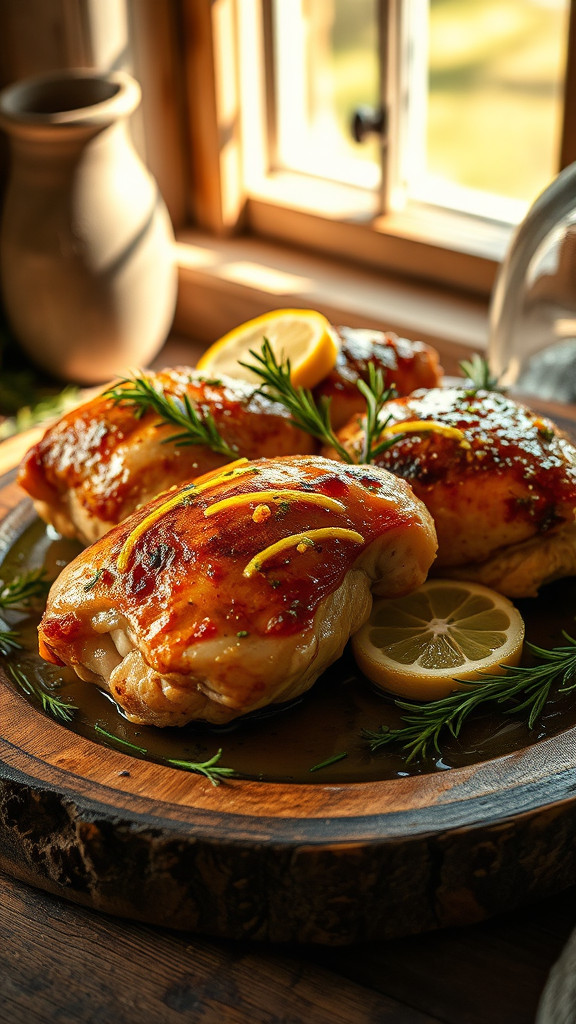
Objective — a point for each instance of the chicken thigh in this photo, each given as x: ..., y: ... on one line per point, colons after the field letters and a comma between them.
x: 499, y: 480
x: 407, y: 365
x: 236, y: 593
x: 103, y: 459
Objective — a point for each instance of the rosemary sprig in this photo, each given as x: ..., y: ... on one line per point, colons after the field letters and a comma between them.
x: 309, y: 415
x: 195, y: 428
x: 211, y: 769
x: 525, y: 689
x: 9, y: 640
x: 23, y: 590
x: 93, y: 580
x: 329, y: 761
x: 376, y: 395
x: 20, y: 592
x: 478, y: 373
x: 50, y: 702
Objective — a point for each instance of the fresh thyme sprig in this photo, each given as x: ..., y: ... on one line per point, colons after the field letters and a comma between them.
x: 525, y: 689
x: 309, y: 415
x: 23, y: 590
x: 211, y: 769
x: 478, y: 372
x: 195, y: 427
x: 50, y: 702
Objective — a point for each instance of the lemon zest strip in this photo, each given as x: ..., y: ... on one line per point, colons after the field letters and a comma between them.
x: 309, y: 538
x: 229, y: 472
x: 423, y: 426
x: 211, y: 474
x: 286, y: 495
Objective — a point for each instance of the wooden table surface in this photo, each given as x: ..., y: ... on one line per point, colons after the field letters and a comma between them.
x: 63, y: 963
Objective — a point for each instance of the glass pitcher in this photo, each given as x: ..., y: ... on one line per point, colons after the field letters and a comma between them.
x: 532, y: 341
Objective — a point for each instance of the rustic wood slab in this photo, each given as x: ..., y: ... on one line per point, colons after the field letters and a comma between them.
x: 63, y: 963
x: 318, y: 863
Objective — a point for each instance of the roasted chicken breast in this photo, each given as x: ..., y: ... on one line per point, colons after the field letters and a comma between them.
x: 499, y: 480
x: 103, y: 459
x: 407, y: 365
x: 230, y: 595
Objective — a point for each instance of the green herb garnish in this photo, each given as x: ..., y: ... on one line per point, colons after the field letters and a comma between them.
x: 195, y: 427
x: 24, y: 590
x: 376, y: 395
x: 20, y: 592
x: 50, y: 702
x: 478, y: 373
x: 521, y: 690
x: 38, y: 411
x: 329, y: 760
x: 314, y: 417
x: 25, y: 399
x: 93, y: 580
x: 309, y: 415
x: 210, y: 769
x: 9, y: 640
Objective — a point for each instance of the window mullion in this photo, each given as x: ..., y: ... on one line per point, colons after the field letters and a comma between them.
x: 568, y: 142
x: 270, y: 89
x: 388, y: 28
x: 210, y: 59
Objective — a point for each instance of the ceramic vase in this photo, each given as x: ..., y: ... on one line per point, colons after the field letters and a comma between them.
x: 87, y: 269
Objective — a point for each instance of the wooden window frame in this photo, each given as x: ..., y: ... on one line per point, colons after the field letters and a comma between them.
x: 244, y: 247
x: 224, y: 203
x: 445, y: 287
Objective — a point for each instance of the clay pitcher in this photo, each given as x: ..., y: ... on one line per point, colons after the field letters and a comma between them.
x: 87, y: 269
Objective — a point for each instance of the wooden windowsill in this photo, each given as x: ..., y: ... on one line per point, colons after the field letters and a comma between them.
x: 226, y: 281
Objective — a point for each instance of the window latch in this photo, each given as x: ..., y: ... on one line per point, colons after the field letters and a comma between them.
x: 367, y: 121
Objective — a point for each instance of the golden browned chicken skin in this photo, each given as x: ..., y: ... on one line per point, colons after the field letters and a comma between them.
x: 502, y: 495
x: 100, y: 461
x: 171, y: 614
x: 407, y: 365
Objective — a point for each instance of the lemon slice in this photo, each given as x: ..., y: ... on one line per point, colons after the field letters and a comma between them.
x: 417, y: 646
x: 303, y: 336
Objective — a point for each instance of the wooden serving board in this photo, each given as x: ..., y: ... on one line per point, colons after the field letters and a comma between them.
x: 326, y: 862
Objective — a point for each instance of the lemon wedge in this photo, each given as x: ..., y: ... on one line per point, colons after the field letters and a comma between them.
x: 303, y: 336
x: 418, y: 646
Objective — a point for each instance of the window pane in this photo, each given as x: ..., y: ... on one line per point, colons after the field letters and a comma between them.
x: 326, y: 64
x: 494, y: 104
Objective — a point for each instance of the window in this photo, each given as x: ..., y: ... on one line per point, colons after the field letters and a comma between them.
x: 472, y: 91
x: 471, y: 94
x: 246, y: 125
